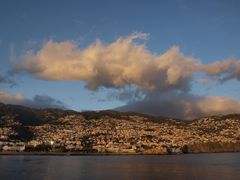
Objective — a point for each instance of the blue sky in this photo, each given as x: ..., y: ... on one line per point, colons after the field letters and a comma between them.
x: 206, y: 30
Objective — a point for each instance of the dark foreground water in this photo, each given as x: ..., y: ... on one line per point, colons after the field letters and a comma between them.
x: 192, y: 166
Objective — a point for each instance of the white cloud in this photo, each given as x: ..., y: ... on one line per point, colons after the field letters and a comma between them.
x: 116, y: 65
x: 121, y: 63
x: 124, y: 63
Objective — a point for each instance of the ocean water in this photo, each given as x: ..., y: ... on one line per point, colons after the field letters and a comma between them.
x: 191, y: 166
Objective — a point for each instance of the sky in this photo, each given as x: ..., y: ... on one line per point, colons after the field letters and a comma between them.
x: 177, y: 58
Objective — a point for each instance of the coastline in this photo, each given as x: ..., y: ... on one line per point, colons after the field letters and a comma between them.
x: 100, y: 154
x: 75, y: 154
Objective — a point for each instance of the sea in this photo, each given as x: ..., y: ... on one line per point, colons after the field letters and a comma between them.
x: 110, y: 167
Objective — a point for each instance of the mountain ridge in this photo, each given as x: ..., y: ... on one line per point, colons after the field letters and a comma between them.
x: 110, y: 131
x: 110, y: 112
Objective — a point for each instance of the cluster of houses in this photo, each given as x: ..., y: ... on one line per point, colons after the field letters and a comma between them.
x: 12, y: 146
x: 134, y: 134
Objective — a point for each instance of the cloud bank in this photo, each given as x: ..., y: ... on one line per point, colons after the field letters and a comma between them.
x: 184, y: 106
x: 38, y: 101
x: 125, y: 63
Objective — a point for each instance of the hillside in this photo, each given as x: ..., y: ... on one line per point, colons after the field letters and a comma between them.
x: 114, y: 132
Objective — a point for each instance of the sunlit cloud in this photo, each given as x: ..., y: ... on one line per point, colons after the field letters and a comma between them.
x: 125, y: 63
x: 38, y: 101
x: 116, y: 65
x: 184, y: 106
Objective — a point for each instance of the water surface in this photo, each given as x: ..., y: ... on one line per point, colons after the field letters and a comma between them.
x: 191, y: 166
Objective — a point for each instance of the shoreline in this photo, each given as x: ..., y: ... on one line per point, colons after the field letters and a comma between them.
x: 76, y: 154
x: 100, y: 154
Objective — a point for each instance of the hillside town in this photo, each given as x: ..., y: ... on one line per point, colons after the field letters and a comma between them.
x: 113, y: 132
